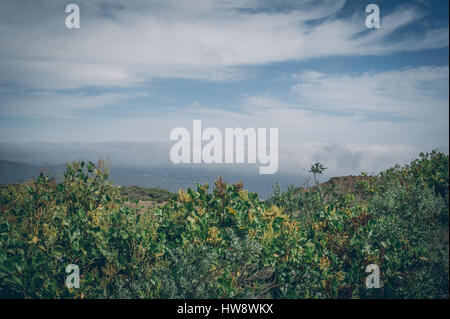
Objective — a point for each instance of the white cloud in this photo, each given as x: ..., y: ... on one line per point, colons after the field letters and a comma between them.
x: 352, y: 122
x: 123, y: 46
x: 414, y: 93
x: 345, y: 159
x: 47, y: 104
x: 397, y: 107
x: 295, y: 159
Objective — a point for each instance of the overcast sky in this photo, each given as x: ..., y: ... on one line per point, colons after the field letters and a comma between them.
x: 337, y: 91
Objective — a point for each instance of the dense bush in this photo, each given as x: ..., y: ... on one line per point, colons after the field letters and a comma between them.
x: 136, y: 193
x: 226, y: 242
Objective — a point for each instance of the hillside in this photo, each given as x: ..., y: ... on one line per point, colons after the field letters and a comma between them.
x: 344, y: 184
x: 14, y: 172
x: 225, y: 242
x: 165, y: 178
x: 134, y: 182
x: 145, y: 194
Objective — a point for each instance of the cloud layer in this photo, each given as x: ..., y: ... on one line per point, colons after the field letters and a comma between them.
x: 295, y: 159
x: 98, y: 83
x: 125, y: 46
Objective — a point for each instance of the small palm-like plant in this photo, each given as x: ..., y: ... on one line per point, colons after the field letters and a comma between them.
x: 317, y: 169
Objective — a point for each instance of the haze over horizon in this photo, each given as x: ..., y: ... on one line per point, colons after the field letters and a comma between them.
x: 356, y: 99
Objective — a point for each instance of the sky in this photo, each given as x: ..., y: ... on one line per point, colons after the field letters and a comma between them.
x: 357, y: 99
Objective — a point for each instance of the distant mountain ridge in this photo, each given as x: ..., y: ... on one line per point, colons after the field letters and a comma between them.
x: 17, y: 172
x: 165, y: 178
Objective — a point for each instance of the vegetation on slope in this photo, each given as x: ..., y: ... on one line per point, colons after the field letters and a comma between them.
x: 226, y: 243
x: 136, y: 193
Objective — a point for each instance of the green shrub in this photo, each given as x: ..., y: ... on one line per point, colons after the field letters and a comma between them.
x: 227, y: 243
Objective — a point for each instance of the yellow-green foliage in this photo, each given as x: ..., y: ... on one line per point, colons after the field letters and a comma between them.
x: 227, y: 242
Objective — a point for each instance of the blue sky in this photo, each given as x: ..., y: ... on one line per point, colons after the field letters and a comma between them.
x: 135, y: 70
